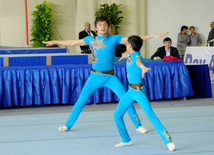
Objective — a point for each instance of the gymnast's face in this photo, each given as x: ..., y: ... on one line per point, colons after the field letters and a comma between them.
x: 129, y: 47
x: 102, y: 28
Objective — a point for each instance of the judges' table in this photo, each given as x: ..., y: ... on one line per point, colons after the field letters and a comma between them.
x: 62, y: 84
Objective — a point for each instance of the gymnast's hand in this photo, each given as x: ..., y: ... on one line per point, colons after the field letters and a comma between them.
x: 144, y: 70
x: 124, y: 55
x: 160, y: 35
x: 49, y: 43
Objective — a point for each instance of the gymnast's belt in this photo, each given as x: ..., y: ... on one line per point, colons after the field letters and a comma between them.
x: 136, y: 86
x: 109, y: 72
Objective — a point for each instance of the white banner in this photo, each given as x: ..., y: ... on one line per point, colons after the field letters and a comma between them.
x: 200, y: 55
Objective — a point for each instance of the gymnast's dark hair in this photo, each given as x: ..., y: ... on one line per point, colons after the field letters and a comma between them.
x: 102, y: 19
x: 184, y: 27
x: 136, y: 42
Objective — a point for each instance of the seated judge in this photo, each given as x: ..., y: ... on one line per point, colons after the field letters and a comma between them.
x: 86, y: 32
x: 167, y: 49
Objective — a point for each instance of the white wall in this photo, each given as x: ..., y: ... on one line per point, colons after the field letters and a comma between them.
x: 12, y: 29
x: 141, y: 17
x: 69, y: 18
x: 170, y: 15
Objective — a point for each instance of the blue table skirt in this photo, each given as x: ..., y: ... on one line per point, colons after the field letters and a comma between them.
x: 167, y: 80
x: 62, y: 84
x: 200, y: 79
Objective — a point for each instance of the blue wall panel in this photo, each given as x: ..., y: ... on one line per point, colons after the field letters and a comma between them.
x: 27, y: 61
x: 75, y: 59
x: 1, y: 62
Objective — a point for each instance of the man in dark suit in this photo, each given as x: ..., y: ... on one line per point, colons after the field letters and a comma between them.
x: 211, y: 35
x: 86, y: 32
x: 167, y: 49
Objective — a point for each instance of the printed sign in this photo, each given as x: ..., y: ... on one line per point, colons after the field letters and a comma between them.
x: 200, y: 55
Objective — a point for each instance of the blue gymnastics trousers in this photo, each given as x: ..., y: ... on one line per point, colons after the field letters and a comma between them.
x: 94, y: 82
x: 126, y: 101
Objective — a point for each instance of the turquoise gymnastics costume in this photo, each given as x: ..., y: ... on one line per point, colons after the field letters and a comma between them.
x: 102, y: 75
x: 136, y: 92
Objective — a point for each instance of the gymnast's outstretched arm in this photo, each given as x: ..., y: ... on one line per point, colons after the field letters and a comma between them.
x: 146, y: 37
x: 142, y: 67
x: 65, y: 42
